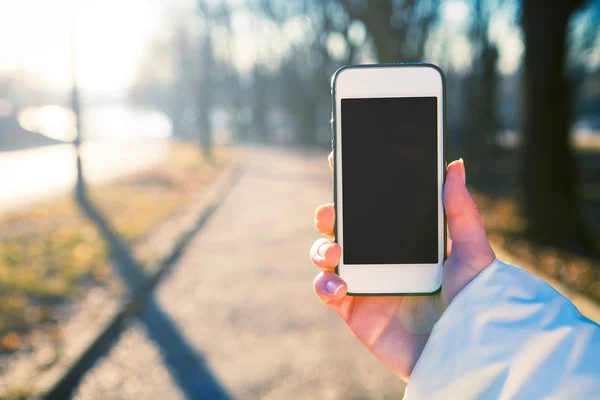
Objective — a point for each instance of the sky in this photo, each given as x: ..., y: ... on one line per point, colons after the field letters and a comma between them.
x: 112, y: 37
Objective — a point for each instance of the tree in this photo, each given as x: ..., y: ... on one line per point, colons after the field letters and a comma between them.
x: 305, y: 73
x: 549, y: 180
x: 481, y: 92
x: 167, y: 80
x: 181, y: 78
x: 398, y: 28
x: 259, y: 105
x: 204, y: 96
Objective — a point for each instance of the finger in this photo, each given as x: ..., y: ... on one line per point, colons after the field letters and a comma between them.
x: 325, y: 254
x: 331, y: 290
x: 325, y: 219
x: 330, y: 159
x: 464, y: 223
x: 448, y: 242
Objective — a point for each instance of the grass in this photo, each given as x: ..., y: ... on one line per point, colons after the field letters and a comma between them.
x: 17, y: 394
x: 136, y: 203
x: 506, y: 229
x: 51, y: 254
x: 590, y: 144
x: 47, y: 255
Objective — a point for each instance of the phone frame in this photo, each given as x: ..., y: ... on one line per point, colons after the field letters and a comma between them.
x: 390, y: 279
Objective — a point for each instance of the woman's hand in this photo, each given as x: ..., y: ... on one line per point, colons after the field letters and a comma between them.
x: 396, y: 328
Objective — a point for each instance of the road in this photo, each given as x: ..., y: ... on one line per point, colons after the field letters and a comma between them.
x: 237, y: 316
x: 33, y: 175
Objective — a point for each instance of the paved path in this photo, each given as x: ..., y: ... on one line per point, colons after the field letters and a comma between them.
x: 237, y: 316
x: 240, y: 305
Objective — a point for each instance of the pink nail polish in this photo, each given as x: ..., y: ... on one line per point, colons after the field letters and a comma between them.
x: 323, y: 249
x: 333, y: 287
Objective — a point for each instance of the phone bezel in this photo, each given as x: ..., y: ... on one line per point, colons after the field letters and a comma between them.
x: 378, y: 81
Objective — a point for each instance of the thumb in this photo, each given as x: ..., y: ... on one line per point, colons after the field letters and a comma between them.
x: 469, y: 241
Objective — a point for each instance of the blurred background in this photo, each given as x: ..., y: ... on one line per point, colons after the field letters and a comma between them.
x: 118, y: 118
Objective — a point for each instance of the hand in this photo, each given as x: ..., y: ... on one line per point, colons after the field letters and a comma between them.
x: 396, y: 328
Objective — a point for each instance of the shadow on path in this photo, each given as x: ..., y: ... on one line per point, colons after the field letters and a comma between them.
x: 127, y: 267
x: 185, y: 365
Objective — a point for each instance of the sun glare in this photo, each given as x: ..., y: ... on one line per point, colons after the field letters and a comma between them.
x: 455, y: 11
x: 112, y: 36
x: 52, y: 121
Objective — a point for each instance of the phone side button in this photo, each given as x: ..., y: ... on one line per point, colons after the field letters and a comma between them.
x: 331, y: 127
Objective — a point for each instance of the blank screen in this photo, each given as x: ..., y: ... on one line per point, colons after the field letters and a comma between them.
x: 389, y: 180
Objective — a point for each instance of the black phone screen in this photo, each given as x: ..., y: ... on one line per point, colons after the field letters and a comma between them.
x: 389, y: 180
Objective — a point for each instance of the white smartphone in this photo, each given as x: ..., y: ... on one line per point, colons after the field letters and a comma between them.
x: 388, y: 128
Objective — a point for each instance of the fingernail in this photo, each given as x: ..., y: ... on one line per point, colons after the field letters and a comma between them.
x: 323, y: 249
x: 463, y: 171
x: 333, y: 287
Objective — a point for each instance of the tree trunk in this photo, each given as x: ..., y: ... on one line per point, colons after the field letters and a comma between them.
x: 396, y: 43
x: 205, y: 96
x: 80, y: 186
x: 205, y: 127
x: 308, y: 124
x: 548, y: 178
x: 481, y: 116
x: 376, y: 17
x: 259, y: 107
x: 259, y: 120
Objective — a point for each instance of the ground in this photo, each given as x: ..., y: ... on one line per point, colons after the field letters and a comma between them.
x: 55, y: 265
x: 497, y: 193
x: 237, y: 316
x: 240, y: 309
x: 241, y: 298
